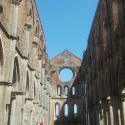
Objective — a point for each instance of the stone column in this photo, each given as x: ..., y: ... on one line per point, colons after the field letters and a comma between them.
x: 111, y: 120
x: 13, y: 115
x: 101, y: 117
x: 13, y: 32
x: 5, y: 92
x: 123, y: 108
x: 27, y: 27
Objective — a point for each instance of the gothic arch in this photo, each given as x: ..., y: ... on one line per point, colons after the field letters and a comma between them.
x: 75, y: 110
x: 66, y: 90
x: 57, y: 109
x: 59, y: 90
x: 16, y: 74
x: 66, y: 110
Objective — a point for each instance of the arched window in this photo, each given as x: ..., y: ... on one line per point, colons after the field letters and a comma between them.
x: 73, y: 90
x: 66, y: 90
x: 59, y: 90
x: 66, y: 112
x: 57, y: 109
x: 75, y: 110
x: 1, y: 59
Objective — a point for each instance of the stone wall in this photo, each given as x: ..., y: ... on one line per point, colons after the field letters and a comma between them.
x: 103, y: 66
x: 59, y: 98
x: 24, y: 77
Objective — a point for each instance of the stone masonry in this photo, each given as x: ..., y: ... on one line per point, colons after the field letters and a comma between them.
x: 24, y: 77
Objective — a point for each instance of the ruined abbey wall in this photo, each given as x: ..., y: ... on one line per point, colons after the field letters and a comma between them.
x: 103, y: 66
x: 24, y: 78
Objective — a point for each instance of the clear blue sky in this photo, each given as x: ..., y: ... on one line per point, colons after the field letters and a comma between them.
x: 66, y: 24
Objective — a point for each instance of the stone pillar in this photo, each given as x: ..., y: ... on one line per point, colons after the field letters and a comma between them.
x: 14, y: 19
x: 13, y: 32
x: 27, y: 27
x: 13, y: 115
x: 101, y: 117
x: 123, y: 108
x: 119, y: 117
x: 111, y: 120
x: 4, y: 103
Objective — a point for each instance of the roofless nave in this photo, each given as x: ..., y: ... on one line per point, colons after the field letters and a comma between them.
x: 31, y: 90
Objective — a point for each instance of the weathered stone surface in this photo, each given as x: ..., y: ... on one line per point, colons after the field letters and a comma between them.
x: 103, y: 67
x: 65, y: 59
x: 22, y: 74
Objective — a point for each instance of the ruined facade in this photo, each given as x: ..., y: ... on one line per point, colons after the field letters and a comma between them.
x: 103, y: 67
x: 24, y: 77
x: 65, y: 96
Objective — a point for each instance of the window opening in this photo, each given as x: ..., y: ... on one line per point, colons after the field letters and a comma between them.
x: 73, y: 90
x: 66, y: 110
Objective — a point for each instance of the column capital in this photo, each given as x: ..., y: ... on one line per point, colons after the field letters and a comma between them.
x: 109, y: 100
x: 122, y: 97
x: 16, y: 2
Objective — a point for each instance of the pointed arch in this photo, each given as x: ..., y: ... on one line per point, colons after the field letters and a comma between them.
x: 57, y: 109
x: 75, y: 110
x: 58, y: 90
x: 73, y: 90
x: 1, y: 59
x: 16, y: 74
x: 66, y: 110
x: 66, y: 90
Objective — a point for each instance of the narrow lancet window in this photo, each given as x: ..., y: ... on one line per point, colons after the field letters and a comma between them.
x: 66, y: 112
x: 75, y: 110
x: 57, y: 110
x: 73, y: 90
x: 66, y: 89
x: 59, y: 90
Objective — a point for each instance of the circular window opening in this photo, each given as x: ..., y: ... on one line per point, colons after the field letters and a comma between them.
x: 66, y: 74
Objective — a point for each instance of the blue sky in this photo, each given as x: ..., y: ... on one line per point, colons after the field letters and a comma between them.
x: 66, y: 24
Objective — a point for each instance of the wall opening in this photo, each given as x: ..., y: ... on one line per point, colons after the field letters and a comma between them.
x: 57, y: 110
x: 66, y: 90
x: 66, y: 74
x: 75, y: 110
x: 73, y: 90
x: 59, y: 90
x: 66, y: 112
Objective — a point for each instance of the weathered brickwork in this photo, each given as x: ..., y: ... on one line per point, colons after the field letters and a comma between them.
x: 24, y: 76
x: 103, y: 67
